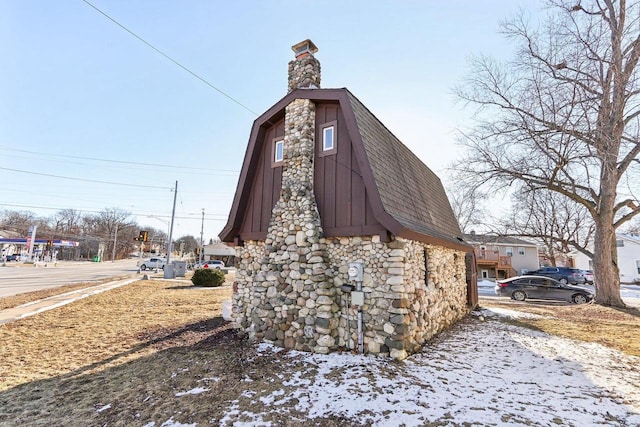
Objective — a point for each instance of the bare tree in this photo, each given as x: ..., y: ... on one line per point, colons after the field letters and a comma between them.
x: 553, y: 220
x: 67, y: 222
x: 18, y: 221
x: 190, y: 243
x: 564, y: 116
x: 110, y: 226
x: 467, y: 202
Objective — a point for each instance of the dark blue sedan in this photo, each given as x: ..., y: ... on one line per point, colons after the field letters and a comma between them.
x: 521, y: 288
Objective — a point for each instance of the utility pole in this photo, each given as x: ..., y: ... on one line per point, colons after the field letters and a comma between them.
x: 115, y: 241
x: 201, y: 239
x: 168, y: 268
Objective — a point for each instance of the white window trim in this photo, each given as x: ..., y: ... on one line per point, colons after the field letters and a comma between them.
x: 324, y: 138
x: 521, y: 251
x: 324, y: 150
x: 276, y: 143
x: 509, y: 250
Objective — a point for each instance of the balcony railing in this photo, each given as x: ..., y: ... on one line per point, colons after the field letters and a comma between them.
x: 486, y: 255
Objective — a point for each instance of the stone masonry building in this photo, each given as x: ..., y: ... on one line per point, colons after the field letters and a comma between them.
x: 323, y: 184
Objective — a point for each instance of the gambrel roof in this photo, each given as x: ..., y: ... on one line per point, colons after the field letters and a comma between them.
x: 407, y: 198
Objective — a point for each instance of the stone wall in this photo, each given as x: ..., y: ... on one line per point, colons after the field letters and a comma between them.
x: 407, y: 300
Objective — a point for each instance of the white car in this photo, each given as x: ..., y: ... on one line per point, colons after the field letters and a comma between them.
x: 152, y: 263
x: 211, y: 264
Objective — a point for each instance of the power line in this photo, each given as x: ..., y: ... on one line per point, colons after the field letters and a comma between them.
x: 85, y: 180
x: 189, y: 216
x: 2, y: 147
x: 202, y: 79
x: 193, y: 73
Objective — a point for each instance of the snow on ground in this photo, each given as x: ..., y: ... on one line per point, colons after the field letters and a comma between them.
x: 482, y: 373
x: 479, y: 373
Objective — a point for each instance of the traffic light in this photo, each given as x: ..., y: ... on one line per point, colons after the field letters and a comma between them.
x: 49, y: 244
x: 143, y: 236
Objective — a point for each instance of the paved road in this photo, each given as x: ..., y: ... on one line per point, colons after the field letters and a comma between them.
x: 17, y: 278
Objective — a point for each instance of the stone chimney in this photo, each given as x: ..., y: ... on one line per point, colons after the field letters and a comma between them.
x: 296, y: 301
x: 304, y: 71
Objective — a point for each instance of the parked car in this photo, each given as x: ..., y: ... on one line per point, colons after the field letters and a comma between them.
x: 152, y: 263
x: 13, y: 257
x: 521, y: 288
x: 214, y: 263
x: 562, y: 274
x: 588, y: 276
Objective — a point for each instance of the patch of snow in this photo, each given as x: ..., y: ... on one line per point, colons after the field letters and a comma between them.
x: 104, y: 408
x: 265, y: 347
x: 171, y: 423
x: 487, y: 373
x: 486, y: 284
x: 196, y: 390
x: 505, y: 312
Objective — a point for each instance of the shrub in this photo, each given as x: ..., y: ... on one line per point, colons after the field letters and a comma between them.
x: 208, y: 277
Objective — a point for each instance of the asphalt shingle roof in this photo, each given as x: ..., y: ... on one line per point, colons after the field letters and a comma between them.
x: 410, y: 192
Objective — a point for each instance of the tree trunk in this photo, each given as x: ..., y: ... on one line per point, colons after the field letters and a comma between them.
x: 605, y: 259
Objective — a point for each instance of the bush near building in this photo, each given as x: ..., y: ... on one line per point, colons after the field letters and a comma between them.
x: 208, y: 277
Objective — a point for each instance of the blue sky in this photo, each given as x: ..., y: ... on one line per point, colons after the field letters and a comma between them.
x: 80, y: 97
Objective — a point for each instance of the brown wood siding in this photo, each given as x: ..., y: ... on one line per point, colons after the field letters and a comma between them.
x: 342, y: 200
x: 265, y: 188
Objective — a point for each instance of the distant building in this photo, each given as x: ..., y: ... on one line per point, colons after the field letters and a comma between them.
x: 220, y: 251
x: 628, y: 246
x: 500, y: 257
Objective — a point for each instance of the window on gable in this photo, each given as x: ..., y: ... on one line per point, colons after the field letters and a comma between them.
x: 619, y: 243
x: 329, y: 138
x: 278, y: 152
x: 521, y: 251
x: 509, y: 251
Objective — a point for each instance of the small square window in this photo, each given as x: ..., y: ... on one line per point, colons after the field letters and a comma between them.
x: 509, y: 251
x: 327, y: 139
x: 278, y: 151
x: 521, y: 251
x: 328, y: 143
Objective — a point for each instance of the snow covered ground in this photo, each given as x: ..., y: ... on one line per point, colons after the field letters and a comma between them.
x: 481, y: 373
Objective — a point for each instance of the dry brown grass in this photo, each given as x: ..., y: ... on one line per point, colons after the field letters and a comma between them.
x: 615, y: 328
x: 16, y: 300
x: 105, y: 330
